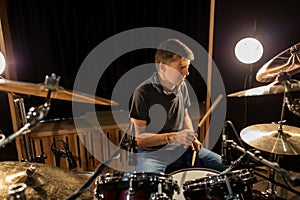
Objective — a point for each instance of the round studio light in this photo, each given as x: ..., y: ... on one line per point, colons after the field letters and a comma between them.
x: 248, y: 50
x: 2, y: 63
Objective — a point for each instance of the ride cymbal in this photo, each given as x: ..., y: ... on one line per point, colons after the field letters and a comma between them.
x: 58, y: 92
x: 268, y: 137
x: 46, y: 182
x: 273, y: 88
x: 287, y: 61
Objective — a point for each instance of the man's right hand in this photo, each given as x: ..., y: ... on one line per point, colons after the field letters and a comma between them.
x: 185, y: 137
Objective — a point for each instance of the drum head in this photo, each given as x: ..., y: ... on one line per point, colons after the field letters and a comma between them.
x: 183, y: 175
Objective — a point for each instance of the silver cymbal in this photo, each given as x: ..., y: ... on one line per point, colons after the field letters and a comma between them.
x: 266, y: 137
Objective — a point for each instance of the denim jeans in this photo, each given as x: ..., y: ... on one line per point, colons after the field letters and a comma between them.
x: 157, y: 163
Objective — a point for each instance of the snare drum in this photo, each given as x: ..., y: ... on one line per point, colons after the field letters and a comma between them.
x: 135, y: 186
x: 233, y: 185
x: 184, y: 175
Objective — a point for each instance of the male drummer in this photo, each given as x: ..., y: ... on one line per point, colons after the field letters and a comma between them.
x: 165, y: 135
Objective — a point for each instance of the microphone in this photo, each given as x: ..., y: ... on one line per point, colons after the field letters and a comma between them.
x: 132, y: 157
x: 225, y: 149
x: 70, y: 157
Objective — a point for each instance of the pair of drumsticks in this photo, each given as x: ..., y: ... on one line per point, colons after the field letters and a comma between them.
x: 203, y: 120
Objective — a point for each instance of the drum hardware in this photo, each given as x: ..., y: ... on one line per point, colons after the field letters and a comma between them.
x: 156, y: 186
x: 2, y: 136
x: 28, y: 148
x: 42, y: 181
x: 230, y: 186
x: 293, y: 104
x: 17, y: 191
x: 34, y: 116
x: 49, y: 89
x: 123, y: 145
x: 269, y: 193
x: 185, y: 175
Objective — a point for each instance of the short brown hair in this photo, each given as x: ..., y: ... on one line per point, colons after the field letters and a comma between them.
x: 171, y: 50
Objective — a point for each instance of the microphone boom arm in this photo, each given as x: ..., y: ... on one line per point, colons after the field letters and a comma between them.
x: 295, y: 180
x: 10, y: 138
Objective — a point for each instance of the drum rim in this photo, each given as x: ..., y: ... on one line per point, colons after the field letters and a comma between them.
x: 195, y: 169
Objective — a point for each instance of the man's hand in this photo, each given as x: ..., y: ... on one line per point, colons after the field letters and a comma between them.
x: 196, y: 145
x: 185, y: 137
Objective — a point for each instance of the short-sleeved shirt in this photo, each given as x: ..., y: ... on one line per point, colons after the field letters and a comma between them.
x: 164, y: 112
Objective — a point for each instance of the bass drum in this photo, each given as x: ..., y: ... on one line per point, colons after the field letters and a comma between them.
x: 184, y: 175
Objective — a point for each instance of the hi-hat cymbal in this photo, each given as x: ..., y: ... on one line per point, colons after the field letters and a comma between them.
x: 266, y: 137
x: 46, y: 182
x: 59, y: 92
x: 287, y: 61
x: 273, y: 88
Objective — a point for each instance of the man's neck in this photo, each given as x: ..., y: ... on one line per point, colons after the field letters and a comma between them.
x: 167, y: 86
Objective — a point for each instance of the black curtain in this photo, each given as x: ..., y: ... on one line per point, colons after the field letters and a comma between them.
x: 56, y: 36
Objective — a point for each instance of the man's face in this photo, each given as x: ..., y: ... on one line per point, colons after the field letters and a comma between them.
x: 177, y: 71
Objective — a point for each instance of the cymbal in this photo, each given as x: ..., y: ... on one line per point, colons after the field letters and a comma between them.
x: 287, y: 61
x: 266, y: 137
x: 46, y: 182
x: 273, y: 88
x: 59, y: 92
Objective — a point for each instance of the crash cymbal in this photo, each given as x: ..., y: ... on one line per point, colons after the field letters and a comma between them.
x: 266, y: 137
x: 273, y: 88
x: 46, y: 182
x: 287, y: 61
x: 58, y: 92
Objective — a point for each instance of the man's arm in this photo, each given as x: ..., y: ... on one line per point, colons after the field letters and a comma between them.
x: 145, y: 139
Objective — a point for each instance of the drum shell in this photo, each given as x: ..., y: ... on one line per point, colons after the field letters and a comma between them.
x: 134, y: 186
x: 184, y: 175
x: 233, y: 185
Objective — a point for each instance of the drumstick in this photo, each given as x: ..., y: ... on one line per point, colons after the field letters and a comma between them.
x: 203, y: 120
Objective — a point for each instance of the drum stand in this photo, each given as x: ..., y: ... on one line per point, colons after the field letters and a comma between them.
x: 270, y: 192
x: 281, y: 136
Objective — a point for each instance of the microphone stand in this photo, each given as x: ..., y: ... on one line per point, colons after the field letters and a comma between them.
x: 10, y: 138
x: 33, y: 117
x: 294, y: 180
x: 97, y: 172
x: 102, y: 166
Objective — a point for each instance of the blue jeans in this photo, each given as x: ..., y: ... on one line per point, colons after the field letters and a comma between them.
x: 156, y: 163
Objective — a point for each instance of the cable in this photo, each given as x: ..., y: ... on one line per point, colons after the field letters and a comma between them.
x: 235, y: 132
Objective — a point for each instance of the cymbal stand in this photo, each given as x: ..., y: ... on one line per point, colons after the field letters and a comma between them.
x: 51, y: 83
x: 20, y: 103
x: 281, y: 137
x: 33, y: 117
x: 270, y: 192
x: 293, y: 179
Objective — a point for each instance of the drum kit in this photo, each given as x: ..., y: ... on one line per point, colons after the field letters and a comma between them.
x: 32, y: 180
